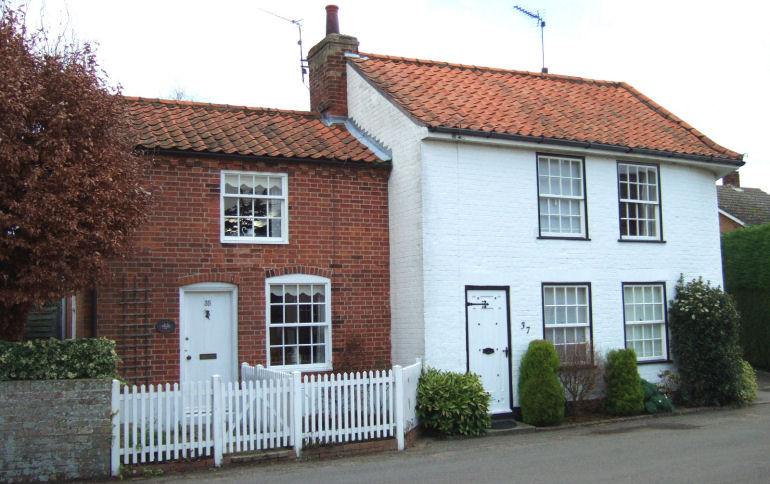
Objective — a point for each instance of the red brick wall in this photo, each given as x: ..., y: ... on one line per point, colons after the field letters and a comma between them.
x: 726, y: 225
x: 338, y: 228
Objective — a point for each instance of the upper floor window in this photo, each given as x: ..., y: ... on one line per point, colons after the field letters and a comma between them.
x: 253, y: 207
x: 567, y: 317
x: 639, y: 200
x: 644, y: 310
x: 299, y: 322
x: 561, y: 196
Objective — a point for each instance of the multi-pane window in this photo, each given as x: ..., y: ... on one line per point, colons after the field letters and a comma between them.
x: 645, y: 316
x: 561, y: 196
x: 253, y: 207
x: 299, y: 322
x: 567, y: 316
x: 639, y: 197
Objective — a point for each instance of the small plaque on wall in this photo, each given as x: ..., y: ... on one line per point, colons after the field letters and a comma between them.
x: 165, y: 326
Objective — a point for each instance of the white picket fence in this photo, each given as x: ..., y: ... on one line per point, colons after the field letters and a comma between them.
x: 267, y: 409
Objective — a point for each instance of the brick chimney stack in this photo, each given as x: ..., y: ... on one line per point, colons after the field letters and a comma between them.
x: 328, y: 74
x: 733, y: 179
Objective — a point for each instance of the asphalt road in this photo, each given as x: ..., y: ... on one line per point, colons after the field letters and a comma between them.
x: 710, y: 446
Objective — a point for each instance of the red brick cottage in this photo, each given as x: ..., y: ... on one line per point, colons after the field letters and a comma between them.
x: 267, y: 242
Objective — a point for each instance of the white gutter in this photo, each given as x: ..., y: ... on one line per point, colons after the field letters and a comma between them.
x: 734, y: 219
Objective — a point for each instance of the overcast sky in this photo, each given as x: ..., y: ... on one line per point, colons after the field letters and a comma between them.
x: 708, y: 62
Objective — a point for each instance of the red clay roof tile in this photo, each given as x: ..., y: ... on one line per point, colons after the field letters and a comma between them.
x: 216, y: 128
x: 440, y: 94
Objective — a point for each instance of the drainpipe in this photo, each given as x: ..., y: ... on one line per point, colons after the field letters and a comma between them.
x: 94, y: 296
x: 74, y: 316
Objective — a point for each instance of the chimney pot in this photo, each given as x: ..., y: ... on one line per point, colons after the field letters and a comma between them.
x: 332, y: 22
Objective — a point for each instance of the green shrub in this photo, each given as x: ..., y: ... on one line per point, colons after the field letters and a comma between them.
x: 747, y: 388
x: 54, y: 359
x: 541, y: 396
x: 654, y: 400
x: 704, y: 331
x: 624, y: 386
x: 746, y: 262
x: 452, y: 403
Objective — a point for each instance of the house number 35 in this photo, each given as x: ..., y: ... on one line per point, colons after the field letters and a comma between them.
x: 206, y: 312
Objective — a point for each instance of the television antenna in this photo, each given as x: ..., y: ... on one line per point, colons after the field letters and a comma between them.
x: 298, y: 22
x: 541, y: 23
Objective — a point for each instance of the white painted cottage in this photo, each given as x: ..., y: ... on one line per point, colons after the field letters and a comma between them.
x: 526, y: 205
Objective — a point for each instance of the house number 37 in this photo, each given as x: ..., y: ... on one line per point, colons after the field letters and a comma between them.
x: 524, y: 327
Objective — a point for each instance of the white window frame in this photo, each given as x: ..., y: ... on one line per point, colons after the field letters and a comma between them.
x: 640, y: 314
x: 282, y: 199
x: 645, y: 191
x: 550, y: 191
x: 569, y: 306
x: 299, y: 279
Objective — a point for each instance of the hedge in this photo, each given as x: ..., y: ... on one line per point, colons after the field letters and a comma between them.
x: 54, y: 359
x: 746, y: 264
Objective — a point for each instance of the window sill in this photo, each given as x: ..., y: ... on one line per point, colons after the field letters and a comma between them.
x: 650, y: 362
x: 644, y: 241
x: 559, y: 237
x: 235, y: 241
x: 301, y: 368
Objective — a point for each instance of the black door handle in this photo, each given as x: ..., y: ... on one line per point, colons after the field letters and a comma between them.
x: 488, y: 351
x: 189, y: 357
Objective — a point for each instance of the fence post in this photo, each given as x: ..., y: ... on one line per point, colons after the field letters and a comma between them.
x: 244, y: 365
x: 217, y: 416
x: 398, y: 396
x: 296, y: 407
x: 114, y: 409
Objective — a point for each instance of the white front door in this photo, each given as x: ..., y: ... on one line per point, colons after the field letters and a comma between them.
x: 489, y: 343
x: 207, y: 328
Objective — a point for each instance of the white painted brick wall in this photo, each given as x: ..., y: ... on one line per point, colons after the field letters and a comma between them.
x: 380, y: 119
x: 480, y: 228
x: 466, y: 214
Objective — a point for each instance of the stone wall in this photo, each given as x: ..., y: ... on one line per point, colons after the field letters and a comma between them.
x: 54, y: 430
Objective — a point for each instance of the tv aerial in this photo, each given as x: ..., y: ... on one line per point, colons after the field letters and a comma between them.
x: 298, y: 22
x: 540, y: 23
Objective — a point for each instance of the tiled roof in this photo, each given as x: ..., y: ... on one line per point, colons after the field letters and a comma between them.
x: 487, y: 100
x: 238, y: 130
x: 749, y: 205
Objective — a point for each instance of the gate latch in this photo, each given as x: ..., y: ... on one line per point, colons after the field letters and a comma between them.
x: 488, y: 351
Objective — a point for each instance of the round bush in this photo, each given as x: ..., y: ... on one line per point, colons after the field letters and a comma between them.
x: 541, y: 396
x: 624, y: 386
x: 747, y: 387
x: 654, y: 400
x: 452, y: 403
x: 705, y: 344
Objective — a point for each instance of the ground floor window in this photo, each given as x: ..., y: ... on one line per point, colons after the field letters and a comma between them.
x: 567, y: 316
x: 299, y: 322
x: 645, y: 320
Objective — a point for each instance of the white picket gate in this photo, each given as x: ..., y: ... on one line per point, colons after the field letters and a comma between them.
x: 267, y: 409
x: 348, y: 407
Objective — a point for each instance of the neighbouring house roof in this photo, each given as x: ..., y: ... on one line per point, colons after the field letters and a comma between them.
x: 749, y: 205
x: 240, y: 130
x: 538, y: 107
